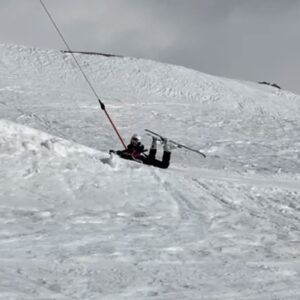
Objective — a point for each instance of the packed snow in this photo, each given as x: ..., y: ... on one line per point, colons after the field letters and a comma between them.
x: 76, y: 223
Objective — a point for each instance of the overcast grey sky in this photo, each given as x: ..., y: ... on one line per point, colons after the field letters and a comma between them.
x: 246, y: 39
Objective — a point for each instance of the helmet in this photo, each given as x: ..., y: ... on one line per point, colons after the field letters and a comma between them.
x: 135, y: 139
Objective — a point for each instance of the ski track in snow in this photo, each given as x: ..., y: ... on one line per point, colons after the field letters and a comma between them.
x: 76, y: 224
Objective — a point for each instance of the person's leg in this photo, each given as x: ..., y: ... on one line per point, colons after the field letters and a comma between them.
x: 153, y: 149
x: 152, y: 154
x: 165, y: 162
x: 166, y: 159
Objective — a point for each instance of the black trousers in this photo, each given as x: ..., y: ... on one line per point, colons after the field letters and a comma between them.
x: 151, y: 160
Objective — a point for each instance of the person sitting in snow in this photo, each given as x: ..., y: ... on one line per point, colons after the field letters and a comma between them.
x: 136, y: 151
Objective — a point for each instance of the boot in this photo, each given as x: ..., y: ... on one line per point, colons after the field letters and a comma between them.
x: 168, y: 147
x: 154, y: 143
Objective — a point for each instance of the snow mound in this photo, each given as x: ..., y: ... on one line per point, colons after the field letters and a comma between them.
x: 34, y: 162
x: 16, y: 139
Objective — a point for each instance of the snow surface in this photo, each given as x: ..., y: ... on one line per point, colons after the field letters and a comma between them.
x: 75, y: 224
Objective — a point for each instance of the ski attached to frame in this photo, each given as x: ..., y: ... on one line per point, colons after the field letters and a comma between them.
x: 179, y: 145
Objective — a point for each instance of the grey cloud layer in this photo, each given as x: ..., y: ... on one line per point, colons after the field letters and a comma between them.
x: 255, y: 40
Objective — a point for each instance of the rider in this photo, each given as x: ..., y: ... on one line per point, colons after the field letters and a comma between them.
x: 136, y: 151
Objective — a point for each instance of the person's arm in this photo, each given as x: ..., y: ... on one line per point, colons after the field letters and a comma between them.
x: 126, y: 153
x: 141, y: 149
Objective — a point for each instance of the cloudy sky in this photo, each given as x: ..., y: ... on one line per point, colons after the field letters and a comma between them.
x: 256, y: 40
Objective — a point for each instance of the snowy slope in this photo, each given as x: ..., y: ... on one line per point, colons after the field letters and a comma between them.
x: 74, y: 225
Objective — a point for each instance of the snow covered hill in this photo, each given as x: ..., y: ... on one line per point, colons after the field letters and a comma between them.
x: 77, y: 225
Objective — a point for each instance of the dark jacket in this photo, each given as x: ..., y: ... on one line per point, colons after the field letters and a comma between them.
x: 133, y: 152
x: 137, y: 153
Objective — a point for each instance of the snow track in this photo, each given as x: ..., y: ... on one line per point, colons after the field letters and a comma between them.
x: 76, y: 224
